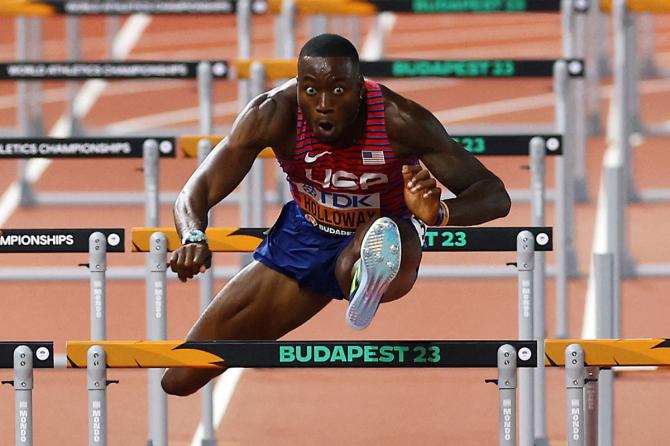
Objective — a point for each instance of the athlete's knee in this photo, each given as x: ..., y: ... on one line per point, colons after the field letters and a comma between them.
x: 176, y: 383
x: 401, y: 285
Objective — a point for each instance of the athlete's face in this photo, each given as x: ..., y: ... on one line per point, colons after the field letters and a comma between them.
x: 329, y: 94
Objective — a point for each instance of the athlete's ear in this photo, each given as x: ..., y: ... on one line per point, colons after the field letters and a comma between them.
x: 361, y: 86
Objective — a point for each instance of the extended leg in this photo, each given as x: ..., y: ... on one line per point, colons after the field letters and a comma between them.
x: 258, y: 303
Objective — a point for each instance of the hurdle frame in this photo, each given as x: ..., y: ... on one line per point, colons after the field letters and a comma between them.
x: 617, y: 166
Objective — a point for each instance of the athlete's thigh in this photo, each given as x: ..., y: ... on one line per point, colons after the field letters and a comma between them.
x: 258, y: 303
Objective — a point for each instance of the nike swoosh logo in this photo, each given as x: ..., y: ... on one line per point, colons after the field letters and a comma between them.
x: 310, y: 159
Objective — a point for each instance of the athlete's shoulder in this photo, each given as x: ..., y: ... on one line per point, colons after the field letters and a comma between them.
x: 276, y: 105
x: 405, y: 120
x: 270, y: 116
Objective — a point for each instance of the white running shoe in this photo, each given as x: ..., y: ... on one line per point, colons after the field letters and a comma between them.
x: 373, y: 272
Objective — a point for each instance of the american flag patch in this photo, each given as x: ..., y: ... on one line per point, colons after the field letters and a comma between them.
x: 373, y: 157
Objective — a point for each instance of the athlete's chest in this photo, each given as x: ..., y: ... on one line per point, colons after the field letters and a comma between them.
x: 357, y: 168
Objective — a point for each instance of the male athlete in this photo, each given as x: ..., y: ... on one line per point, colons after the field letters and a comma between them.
x: 350, y: 149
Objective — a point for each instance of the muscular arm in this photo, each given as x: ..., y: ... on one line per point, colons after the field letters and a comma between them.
x: 413, y: 130
x: 264, y: 122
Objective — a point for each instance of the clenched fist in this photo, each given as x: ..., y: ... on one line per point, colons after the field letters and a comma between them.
x: 422, y: 195
x: 190, y: 259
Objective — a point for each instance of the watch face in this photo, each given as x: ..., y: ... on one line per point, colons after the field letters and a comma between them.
x: 194, y: 237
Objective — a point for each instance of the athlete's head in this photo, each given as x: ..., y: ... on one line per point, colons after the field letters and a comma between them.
x: 330, y: 85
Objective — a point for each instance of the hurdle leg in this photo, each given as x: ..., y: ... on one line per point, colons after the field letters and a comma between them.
x: 156, y: 331
x: 23, y: 116
x: 97, y: 266
x: 525, y: 263
x: 573, y: 25
x: 23, y: 391
x: 206, y: 283
x: 96, y: 374
x: 243, y: 48
x: 73, y: 32
x: 607, y: 327
x: 507, y: 395
x: 155, y: 298
x: 562, y: 187
x: 591, y: 423
x: 575, y: 375
x: 538, y: 194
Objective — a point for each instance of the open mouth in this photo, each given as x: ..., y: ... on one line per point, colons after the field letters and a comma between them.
x: 325, y: 129
x: 326, y: 126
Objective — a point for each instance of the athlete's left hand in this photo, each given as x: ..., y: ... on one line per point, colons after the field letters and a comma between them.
x: 422, y: 195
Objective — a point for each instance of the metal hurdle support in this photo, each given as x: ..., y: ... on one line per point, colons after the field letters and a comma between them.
x: 23, y: 387
x: 525, y: 249
x: 96, y: 379
x: 626, y: 26
x: 607, y: 327
x: 626, y: 80
x: 575, y: 378
x: 206, y: 280
x: 156, y: 303
x: 507, y: 379
x: 97, y: 267
x: 23, y: 357
x: 537, y: 167
x: 618, y: 165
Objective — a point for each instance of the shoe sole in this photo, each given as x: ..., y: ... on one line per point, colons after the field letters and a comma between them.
x: 380, y: 255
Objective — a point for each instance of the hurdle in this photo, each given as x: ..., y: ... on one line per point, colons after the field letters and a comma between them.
x: 204, y: 71
x: 97, y: 357
x: 572, y: 354
x: 96, y: 242
x: 524, y: 241
x: 617, y: 166
x: 627, y: 93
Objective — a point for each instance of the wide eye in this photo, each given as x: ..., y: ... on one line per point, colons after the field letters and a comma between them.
x: 310, y: 91
x: 338, y: 90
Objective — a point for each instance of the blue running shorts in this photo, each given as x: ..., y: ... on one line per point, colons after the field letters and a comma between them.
x: 297, y: 249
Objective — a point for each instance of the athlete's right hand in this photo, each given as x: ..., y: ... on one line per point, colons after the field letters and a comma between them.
x: 190, y: 259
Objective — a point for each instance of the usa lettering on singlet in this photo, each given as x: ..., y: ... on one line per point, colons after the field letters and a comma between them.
x: 341, y: 189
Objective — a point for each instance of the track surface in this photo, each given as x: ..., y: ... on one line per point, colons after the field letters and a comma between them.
x: 354, y: 407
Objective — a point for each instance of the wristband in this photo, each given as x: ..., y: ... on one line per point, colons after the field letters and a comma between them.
x: 442, y: 215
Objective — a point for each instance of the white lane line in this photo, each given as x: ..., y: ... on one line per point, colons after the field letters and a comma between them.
x: 501, y: 107
x: 86, y: 97
x: 166, y: 119
x: 375, y: 41
x: 115, y: 88
x: 221, y: 396
x: 599, y: 229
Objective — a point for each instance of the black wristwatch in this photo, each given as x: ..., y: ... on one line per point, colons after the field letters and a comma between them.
x: 194, y: 236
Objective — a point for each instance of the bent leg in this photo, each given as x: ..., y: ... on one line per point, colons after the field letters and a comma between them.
x: 409, y: 262
x: 259, y: 303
